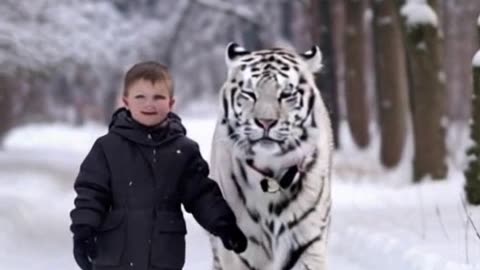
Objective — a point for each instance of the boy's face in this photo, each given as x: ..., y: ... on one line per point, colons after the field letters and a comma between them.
x: 148, y: 103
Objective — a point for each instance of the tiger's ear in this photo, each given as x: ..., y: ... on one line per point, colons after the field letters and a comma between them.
x: 313, y: 59
x: 233, y: 52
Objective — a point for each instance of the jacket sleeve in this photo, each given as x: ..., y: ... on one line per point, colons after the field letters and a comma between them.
x: 202, y: 197
x: 92, y: 188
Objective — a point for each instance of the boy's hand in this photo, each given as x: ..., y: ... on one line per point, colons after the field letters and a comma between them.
x: 234, y: 239
x: 84, y: 251
x: 84, y: 248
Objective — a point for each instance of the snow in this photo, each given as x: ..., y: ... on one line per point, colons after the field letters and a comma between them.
x: 380, y: 220
x: 385, y: 20
x: 56, y: 137
x: 476, y: 59
x: 442, y: 76
x: 418, y: 12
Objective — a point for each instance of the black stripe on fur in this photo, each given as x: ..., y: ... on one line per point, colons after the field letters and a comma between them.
x: 247, y: 264
x: 243, y: 172
x: 225, y: 107
x: 310, y: 210
x: 295, y: 254
x: 255, y: 241
x: 283, y: 204
x: 239, y: 189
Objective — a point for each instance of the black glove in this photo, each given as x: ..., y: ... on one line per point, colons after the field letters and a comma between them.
x: 234, y: 239
x: 84, y: 248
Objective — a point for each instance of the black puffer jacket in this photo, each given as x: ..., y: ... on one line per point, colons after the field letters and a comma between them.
x: 130, y: 189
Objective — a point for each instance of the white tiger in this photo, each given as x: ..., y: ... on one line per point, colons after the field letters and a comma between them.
x: 271, y: 156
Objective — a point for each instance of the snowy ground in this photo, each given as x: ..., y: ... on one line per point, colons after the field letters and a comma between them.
x: 380, y: 221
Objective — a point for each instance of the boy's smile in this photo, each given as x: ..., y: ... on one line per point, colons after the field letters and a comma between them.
x: 149, y: 103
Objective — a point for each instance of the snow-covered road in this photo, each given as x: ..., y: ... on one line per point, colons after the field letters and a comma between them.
x: 35, y: 200
x: 376, y: 226
x: 36, y: 197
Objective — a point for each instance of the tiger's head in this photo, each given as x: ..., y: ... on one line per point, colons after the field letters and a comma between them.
x: 269, y: 100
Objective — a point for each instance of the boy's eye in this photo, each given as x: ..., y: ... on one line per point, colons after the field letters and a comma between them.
x: 139, y: 96
x: 158, y: 97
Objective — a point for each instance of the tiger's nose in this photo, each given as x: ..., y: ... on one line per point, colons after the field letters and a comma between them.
x: 265, y: 123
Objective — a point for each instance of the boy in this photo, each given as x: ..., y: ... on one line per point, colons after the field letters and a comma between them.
x: 130, y: 186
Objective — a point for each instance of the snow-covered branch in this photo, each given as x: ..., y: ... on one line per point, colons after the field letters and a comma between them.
x: 476, y: 59
x: 241, y: 11
x: 418, y: 12
x: 84, y: 47
x: 176, y: 31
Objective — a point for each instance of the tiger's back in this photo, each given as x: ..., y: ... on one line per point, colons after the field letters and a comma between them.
x: 271, y: 156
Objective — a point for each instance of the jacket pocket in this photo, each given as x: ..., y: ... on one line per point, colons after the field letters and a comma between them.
x: 168, y: 242
x: 110, y: 239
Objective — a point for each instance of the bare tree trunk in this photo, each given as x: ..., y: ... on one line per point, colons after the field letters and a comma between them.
x: 478, y: 29
x: 173, y: 41
x: 321, y: 32
x: 392, y: 86
x: 338, y: 41
x: 435, y: 6
x: 428, y: 92
x: 355, y: 64
x: 460, y: 17
x: 472, y: 173
x: 6, y: 106
x: 286, y: 24
x: 251, y: 38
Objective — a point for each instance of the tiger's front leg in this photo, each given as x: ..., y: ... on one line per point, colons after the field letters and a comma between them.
x: 228, y: 260
x: 312, y: 259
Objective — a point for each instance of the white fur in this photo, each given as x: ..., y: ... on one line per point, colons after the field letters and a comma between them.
x: 224, y: 161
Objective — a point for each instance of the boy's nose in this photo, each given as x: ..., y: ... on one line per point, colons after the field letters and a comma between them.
x: 149, y: 103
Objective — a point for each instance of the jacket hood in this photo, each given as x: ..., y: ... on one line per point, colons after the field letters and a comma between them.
x: 124, y: 125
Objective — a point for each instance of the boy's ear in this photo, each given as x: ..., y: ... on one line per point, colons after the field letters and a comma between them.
x: 125, y: 101
x: 171, y: 102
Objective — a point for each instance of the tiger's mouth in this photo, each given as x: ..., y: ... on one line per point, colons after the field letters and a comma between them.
x: 266, y: 140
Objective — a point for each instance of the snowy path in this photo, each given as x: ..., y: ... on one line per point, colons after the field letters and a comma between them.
x: 377, y: 224
x: 35, y: 200
x: 36, y: 197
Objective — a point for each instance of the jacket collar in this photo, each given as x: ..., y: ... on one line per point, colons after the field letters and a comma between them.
x: 124, y: 125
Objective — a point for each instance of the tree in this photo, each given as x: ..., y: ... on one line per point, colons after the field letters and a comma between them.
x: 392, y: 86
x: 287, y: 15
x: 472, y: 173
x: 91, y: 43
x: 478, y: 29
x: 460, y: 44
x: 321, y: 25
x: 428, y: 92
x: 6, y: 106
x: 355, y: 64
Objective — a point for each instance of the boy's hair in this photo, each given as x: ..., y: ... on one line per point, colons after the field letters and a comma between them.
x: 151, y: 71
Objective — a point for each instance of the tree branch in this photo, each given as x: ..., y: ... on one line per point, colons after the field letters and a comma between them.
x: 437, y: 211
x: 241, y: 11
x: 470, y: 218
x: 168, y: 55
